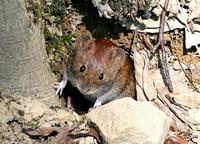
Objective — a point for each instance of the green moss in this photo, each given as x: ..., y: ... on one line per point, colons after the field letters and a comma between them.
x: 55, y: 45
x: 68, y: 39
x: 35, y: 8
x: 57, y: 51
x: 33, y: 124
x: 41, y: 11
x: 57, y: 57
x: 58, y: 9
x: 52, y: 40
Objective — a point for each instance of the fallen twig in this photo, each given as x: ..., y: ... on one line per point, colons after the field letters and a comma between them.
x: 162, y: 52
x: 170, y: 108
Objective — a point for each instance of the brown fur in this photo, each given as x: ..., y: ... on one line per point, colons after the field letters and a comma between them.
x: 101, y: 56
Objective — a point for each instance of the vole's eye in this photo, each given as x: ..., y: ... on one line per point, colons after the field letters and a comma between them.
x: 101, y: 76
x: 82, y: 68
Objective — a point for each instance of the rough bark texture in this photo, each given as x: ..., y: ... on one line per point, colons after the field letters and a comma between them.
x: 24, y: 70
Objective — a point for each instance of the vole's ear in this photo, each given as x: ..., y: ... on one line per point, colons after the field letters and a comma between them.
x: 118, y: 55
x: 82, y: 41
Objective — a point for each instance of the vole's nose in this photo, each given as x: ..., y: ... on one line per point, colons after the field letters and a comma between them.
x: 85, y: 89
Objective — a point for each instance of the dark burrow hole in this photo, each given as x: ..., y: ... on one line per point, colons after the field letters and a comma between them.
x: 79, y: 103
x: 99, y: 27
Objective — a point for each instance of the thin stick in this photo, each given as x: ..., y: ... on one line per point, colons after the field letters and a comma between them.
x: 162, y: 53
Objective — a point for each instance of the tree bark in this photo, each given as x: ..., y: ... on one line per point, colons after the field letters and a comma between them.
x: 24, y: 68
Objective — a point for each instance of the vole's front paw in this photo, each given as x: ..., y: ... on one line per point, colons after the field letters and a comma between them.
x: 97, y: 104
x: 59, y: 86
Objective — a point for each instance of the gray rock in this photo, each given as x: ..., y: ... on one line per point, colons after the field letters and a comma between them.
x: 131, y: 122
x: 6, y: 115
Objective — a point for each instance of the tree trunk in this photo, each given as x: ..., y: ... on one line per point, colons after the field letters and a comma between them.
x: 24, y: 69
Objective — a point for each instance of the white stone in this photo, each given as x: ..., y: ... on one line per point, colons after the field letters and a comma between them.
x: 131, y: 122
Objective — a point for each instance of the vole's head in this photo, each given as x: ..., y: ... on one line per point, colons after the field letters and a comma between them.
x: 96, y: 64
